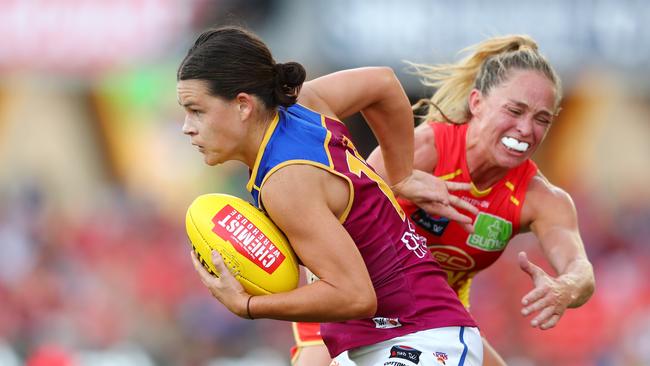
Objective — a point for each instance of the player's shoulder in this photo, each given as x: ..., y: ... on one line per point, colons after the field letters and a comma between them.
x: 304, y: 189
x: 541, y: 187
x: 424, y: 133
x: 545, y: 198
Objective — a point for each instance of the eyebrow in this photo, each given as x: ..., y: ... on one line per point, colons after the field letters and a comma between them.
x: 187, y: 104
x: 522, y: 104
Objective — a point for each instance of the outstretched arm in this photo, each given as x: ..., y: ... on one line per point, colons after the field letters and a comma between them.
x: 553, y: 219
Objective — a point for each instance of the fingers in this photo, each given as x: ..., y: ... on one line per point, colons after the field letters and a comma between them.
x: 534, y: 301
x: 533, y: 296
x: 544, y: 316
x: 551, y: 322
x: 460, y: 203
x: 457, y: 186
x: 203, y: 273
x: 468, y: 227
x: 220, y: 265
x: 528, y: 267
x: 449, y: 212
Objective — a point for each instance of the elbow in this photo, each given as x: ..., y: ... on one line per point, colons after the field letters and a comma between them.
x: 362, y: 304
x: 386, y: 76
x: 370, y: 307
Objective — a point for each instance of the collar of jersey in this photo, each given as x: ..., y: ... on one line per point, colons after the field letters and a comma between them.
x: 265, y: 140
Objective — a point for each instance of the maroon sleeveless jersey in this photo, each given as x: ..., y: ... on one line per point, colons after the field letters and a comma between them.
x: 412, y: 290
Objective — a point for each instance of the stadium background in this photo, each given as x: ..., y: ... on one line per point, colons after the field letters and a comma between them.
x: 95, y: 174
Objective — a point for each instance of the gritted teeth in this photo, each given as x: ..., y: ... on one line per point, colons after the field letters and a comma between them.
x: 514, y: 144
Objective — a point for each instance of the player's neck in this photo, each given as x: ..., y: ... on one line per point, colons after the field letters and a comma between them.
x: 483, y: 171
x: 258, y: 132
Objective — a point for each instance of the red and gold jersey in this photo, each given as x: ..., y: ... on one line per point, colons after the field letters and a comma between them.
x: 459, y: 253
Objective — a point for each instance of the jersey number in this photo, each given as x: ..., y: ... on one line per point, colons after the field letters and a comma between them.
x: 357, y: 166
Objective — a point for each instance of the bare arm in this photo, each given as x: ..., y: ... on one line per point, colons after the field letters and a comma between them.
x: 302, y: 201
x: 378, y: 95
x: 551, y: 215
x: 422, y: 188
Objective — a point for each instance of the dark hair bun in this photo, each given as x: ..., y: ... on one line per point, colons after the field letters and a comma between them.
x: 288, y: 81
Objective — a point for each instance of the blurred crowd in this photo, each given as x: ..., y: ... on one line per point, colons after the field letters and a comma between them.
x: 114, y: 284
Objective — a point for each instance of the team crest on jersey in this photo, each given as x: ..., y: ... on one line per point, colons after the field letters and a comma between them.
x: 435, y: 226
x: 491, y: 233
x: 441, y: 357
x: 452, y: 258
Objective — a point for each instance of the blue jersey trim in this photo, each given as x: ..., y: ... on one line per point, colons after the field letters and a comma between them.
x: 297, y: 134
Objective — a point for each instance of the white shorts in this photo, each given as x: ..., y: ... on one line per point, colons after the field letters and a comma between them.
x: 449, y: 346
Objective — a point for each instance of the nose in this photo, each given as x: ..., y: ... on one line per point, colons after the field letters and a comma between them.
x: 525, y: 126
x: 188, y: 126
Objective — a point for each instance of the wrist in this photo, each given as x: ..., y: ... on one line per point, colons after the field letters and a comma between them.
x: 571, y: 289
x: 397, y: 187
x: 248, y: 314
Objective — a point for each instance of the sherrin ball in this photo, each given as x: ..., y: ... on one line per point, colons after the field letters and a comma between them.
x: 252, y: 246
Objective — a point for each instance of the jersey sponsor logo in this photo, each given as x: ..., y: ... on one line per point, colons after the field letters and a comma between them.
x: 386, y: 323
x: 406, y: 353
x: 452, y: 258
x: 435, y: 226
x: 247, y: 239
x: 491, y: 233
x: 394, y: 363
x: 478, y: 203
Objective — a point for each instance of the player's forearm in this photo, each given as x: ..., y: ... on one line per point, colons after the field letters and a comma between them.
x: 317, y: 302
x: 391, y: 120
x: 579, y: 276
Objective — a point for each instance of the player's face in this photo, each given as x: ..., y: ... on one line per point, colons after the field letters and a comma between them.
x: 515, y: 116
x: 212, y: 123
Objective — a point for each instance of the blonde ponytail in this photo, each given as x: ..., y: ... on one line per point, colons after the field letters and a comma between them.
x: 486, y: 67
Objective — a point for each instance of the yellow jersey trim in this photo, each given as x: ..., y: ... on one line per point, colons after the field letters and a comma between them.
x: 463, y: 292
x: 452, y: 175
x: 478, y: 193
x: 327, y: 141
x: 345, y: 213
x: 260, y: 153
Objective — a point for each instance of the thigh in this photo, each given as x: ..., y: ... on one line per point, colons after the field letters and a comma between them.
x: 460, y: 346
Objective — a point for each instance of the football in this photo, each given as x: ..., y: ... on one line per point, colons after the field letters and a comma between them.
x: 252, y: 246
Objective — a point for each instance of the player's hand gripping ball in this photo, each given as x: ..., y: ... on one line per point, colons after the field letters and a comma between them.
x: 258, y: 253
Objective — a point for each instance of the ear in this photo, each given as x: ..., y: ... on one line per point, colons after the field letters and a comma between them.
x: 475, y: 101
x: 246, y: 105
